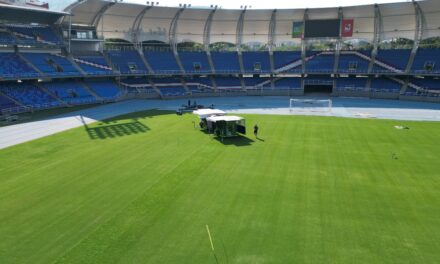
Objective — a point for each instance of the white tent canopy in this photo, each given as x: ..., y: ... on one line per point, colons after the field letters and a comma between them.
x: 204, y: 113
x: 215, y: 119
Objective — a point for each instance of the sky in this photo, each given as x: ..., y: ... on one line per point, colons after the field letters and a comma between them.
x: 234, y: 4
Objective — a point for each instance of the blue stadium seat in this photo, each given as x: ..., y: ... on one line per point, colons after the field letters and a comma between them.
x: 105, y: 89
x: 29, y: 95
x: 94, y: 65
x: 52, y: 64
x: 162, y: 62
x: 427, y: 61
x: 351, y: 63
x: 397, y: 58
x: 386, y: 85
x: 427, y: 83
x: 284, y: 58
x: 128, y: 62
x: 6, y: 38
x: 351, y: 84
x: 195, y: 62
x: 225, y: 62
x: 320, y: 63
x: 35, y: 34
x: 6, y: 103
x: 172, y: 91
x: 256, y: 62
x: 228, y: 82
x: 288, y: 83
x: 69, y: 92
x: 12, y: 66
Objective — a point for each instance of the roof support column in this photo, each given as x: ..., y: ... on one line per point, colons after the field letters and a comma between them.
x: 173, y: 38
x: 136, y: 27
x: 303, y: 43
x: 239, y: 39
x: 271, y: 38
x: 418, y: 34
x: 377, y: 34
x: 207, y: 39
x: 338, y: 42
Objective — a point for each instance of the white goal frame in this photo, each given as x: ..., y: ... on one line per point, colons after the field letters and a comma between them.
x: 310, y: 105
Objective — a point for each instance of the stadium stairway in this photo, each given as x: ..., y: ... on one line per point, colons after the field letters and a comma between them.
x: 18, y: 103
x: 30, y: 64
x: 70, y: 58
x: 376, y: 61
x: 92, y: 64
x: 299, y: 62
x: 44, y: 89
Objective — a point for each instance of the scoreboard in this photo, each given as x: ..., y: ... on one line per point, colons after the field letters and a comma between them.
x: 323, y: 28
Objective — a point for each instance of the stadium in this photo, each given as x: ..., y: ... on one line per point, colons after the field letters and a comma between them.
x: 141, y: 133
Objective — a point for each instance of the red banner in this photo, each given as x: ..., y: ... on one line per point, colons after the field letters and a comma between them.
x: 347, y: 28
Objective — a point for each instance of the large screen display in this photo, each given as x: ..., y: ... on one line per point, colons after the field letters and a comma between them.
x: 325, y: 28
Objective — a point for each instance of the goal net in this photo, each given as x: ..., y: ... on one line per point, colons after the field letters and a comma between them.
x: 310, y: 105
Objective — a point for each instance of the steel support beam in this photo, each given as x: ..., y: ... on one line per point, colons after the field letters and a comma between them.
x: 100, y: 13
x: 271, y: 38
x: 172, y: 36
x: 418, y: 34
x: 303, y: 43
x: 239, y: 39
x: 377, y: 35
x: 339, y: 42
x: 136, y: 27
x: 207, y: 38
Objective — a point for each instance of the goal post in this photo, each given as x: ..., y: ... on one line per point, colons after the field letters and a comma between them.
x: 310, y: 105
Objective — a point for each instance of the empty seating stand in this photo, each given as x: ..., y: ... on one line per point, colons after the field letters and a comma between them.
x: 127, y: 62
x: 285, y: 58
x: 385, y: 85
x: 70, y: 92
x: 320, y: 62
x: 29, y: 95
x: 352, y: 63
x: 396, y: 58
x: 256, y: 62
x: 52, y: 64
x: 94, y: 65
x: 27, y: 34
x: 426, y: 61
x: 106, y: 89
x: 226, y: 62
x: 351, y: 84
x: 12, y: 66
x: 195, y: 62
x: 162, y: 62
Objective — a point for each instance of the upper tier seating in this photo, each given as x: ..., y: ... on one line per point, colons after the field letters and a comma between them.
x: 94, y: 64
x: 320, y: 63
x: 11, y: 65
x: 105, y: 89
x: 29, y: 95
x: 427, y: 61
x: 256, y: 61
x: 351, y: 63
x: 351, y: 83
x: 35, y: 34
x: 162, y: 61
x: 51, y: 64
x: 69, y: 92
x: 225, y: 62
x: 195, y: 62
x: 127, y: 62
x: 396, y: 58
x: 284, y: 58
x: 385, y: 85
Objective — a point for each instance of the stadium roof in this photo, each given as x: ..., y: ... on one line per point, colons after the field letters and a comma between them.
x: 29, y: 15
x: 148, y: 23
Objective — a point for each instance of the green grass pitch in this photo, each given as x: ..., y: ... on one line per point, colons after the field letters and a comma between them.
x: 141, y: 189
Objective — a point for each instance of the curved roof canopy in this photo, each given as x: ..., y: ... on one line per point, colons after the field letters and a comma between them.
x: 151, y: 23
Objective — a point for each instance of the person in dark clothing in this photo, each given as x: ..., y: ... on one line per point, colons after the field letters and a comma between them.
x: 256, y: 130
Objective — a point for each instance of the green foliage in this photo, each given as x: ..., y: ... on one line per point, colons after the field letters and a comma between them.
x: 141, y: 188
x: 431, y: 43
x: 397, y: 43
x: 222, y: 46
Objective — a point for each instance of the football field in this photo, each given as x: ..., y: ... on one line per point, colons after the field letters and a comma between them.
x: 141, y: 188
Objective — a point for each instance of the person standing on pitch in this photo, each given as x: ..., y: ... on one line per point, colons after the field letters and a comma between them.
x: 256, y: 130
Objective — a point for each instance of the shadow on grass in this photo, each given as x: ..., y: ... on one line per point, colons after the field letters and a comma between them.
x: 121, y: 126
x: 236, y: 141
x: 106, y: 131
